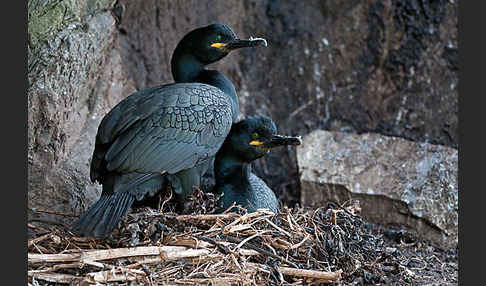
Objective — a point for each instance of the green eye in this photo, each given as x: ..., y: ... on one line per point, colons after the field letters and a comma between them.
x: 218, y: 38
x: 254, y: 136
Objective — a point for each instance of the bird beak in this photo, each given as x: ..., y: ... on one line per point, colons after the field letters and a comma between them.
x: 278, y: 140
x: 238, y: 43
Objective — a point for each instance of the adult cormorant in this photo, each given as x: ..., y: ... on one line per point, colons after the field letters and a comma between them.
x: 247, y: 141
x: 169, y: 131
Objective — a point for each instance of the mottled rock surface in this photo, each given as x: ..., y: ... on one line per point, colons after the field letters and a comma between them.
x: 388, y: 67
x: 397, y: 181
x: 75, y: 78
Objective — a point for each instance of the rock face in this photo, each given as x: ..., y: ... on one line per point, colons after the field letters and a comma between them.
x: 398, y: 182
x: 388, y: 67
x: 74, y: 77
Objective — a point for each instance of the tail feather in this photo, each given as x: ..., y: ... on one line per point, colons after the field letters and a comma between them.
x: 118, y: 212
x: 103, y: 216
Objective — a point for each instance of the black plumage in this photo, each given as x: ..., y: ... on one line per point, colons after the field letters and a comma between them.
x: 169, y: 132
x: 247, y: 141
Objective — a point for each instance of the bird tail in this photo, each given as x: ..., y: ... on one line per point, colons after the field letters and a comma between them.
x: 103, y: 216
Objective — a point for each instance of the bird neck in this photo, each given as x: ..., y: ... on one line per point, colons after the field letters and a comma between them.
x: 228, y: 168
x: 185, y: 67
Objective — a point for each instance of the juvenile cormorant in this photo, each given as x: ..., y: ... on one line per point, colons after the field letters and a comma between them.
x: 169, y: 131
x: 247, y: 141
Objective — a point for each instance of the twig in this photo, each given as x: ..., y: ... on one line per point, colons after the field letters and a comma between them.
x: 205, y: 217
x: 249, y: 238
x: 48, y: 222
x: 300, y: 243
x: 166, y: 252
x: 206, y: 242
x: 277, y: 227
x: 37, y: 228
x: 223, y: 248
x: 145, y: 261
x: 328, y: 277
x: 245, y: 217
x: 238, y: 227
x: 229, y: 208
x: 67, y: 266
x: 38, y: 239
x: 54, y: 277
x: 114, y: 275
x: 290, y: 223
x: 160, y: 206
x: 261, y: 251
x: 52, y: 212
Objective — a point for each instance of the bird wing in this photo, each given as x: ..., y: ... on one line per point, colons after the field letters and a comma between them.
x: 162, y: 129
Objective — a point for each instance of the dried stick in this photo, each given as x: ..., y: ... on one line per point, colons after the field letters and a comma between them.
x: 244, y: 218
x: 258, y: 249
x: 238, y: 227
x: 229, y: 208
x: 38, y: 239
x: 207, y: 217
x: 278, y: 228
x: 114, y: 276
x: 300, y: 243
x: 324, y: 275
x: 165, y: 252
x: 249, y: 238
x: 36, y: 210
x: 54, y: 277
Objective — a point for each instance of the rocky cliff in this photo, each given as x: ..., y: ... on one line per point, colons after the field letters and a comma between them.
x: 388, y: 67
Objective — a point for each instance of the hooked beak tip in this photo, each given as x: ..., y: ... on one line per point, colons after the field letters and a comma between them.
x: 262, y: 41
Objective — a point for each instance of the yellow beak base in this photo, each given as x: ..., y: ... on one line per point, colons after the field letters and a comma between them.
x: 256, y: 143
x: 218, y: 45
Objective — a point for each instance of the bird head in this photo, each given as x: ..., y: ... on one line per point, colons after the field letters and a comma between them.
x: 213, y: 42
x: 254, y: 137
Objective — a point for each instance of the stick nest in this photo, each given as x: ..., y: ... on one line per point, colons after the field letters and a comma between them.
x: 159, y: 247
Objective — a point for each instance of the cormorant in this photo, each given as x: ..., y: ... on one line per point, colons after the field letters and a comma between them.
x: 169, y: 131
x: 247, y: 141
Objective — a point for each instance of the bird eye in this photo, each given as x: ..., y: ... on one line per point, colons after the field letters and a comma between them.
x: 218, y: 38
x: 254, y: 136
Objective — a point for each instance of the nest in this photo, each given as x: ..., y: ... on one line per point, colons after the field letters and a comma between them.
x: 159, y: 247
